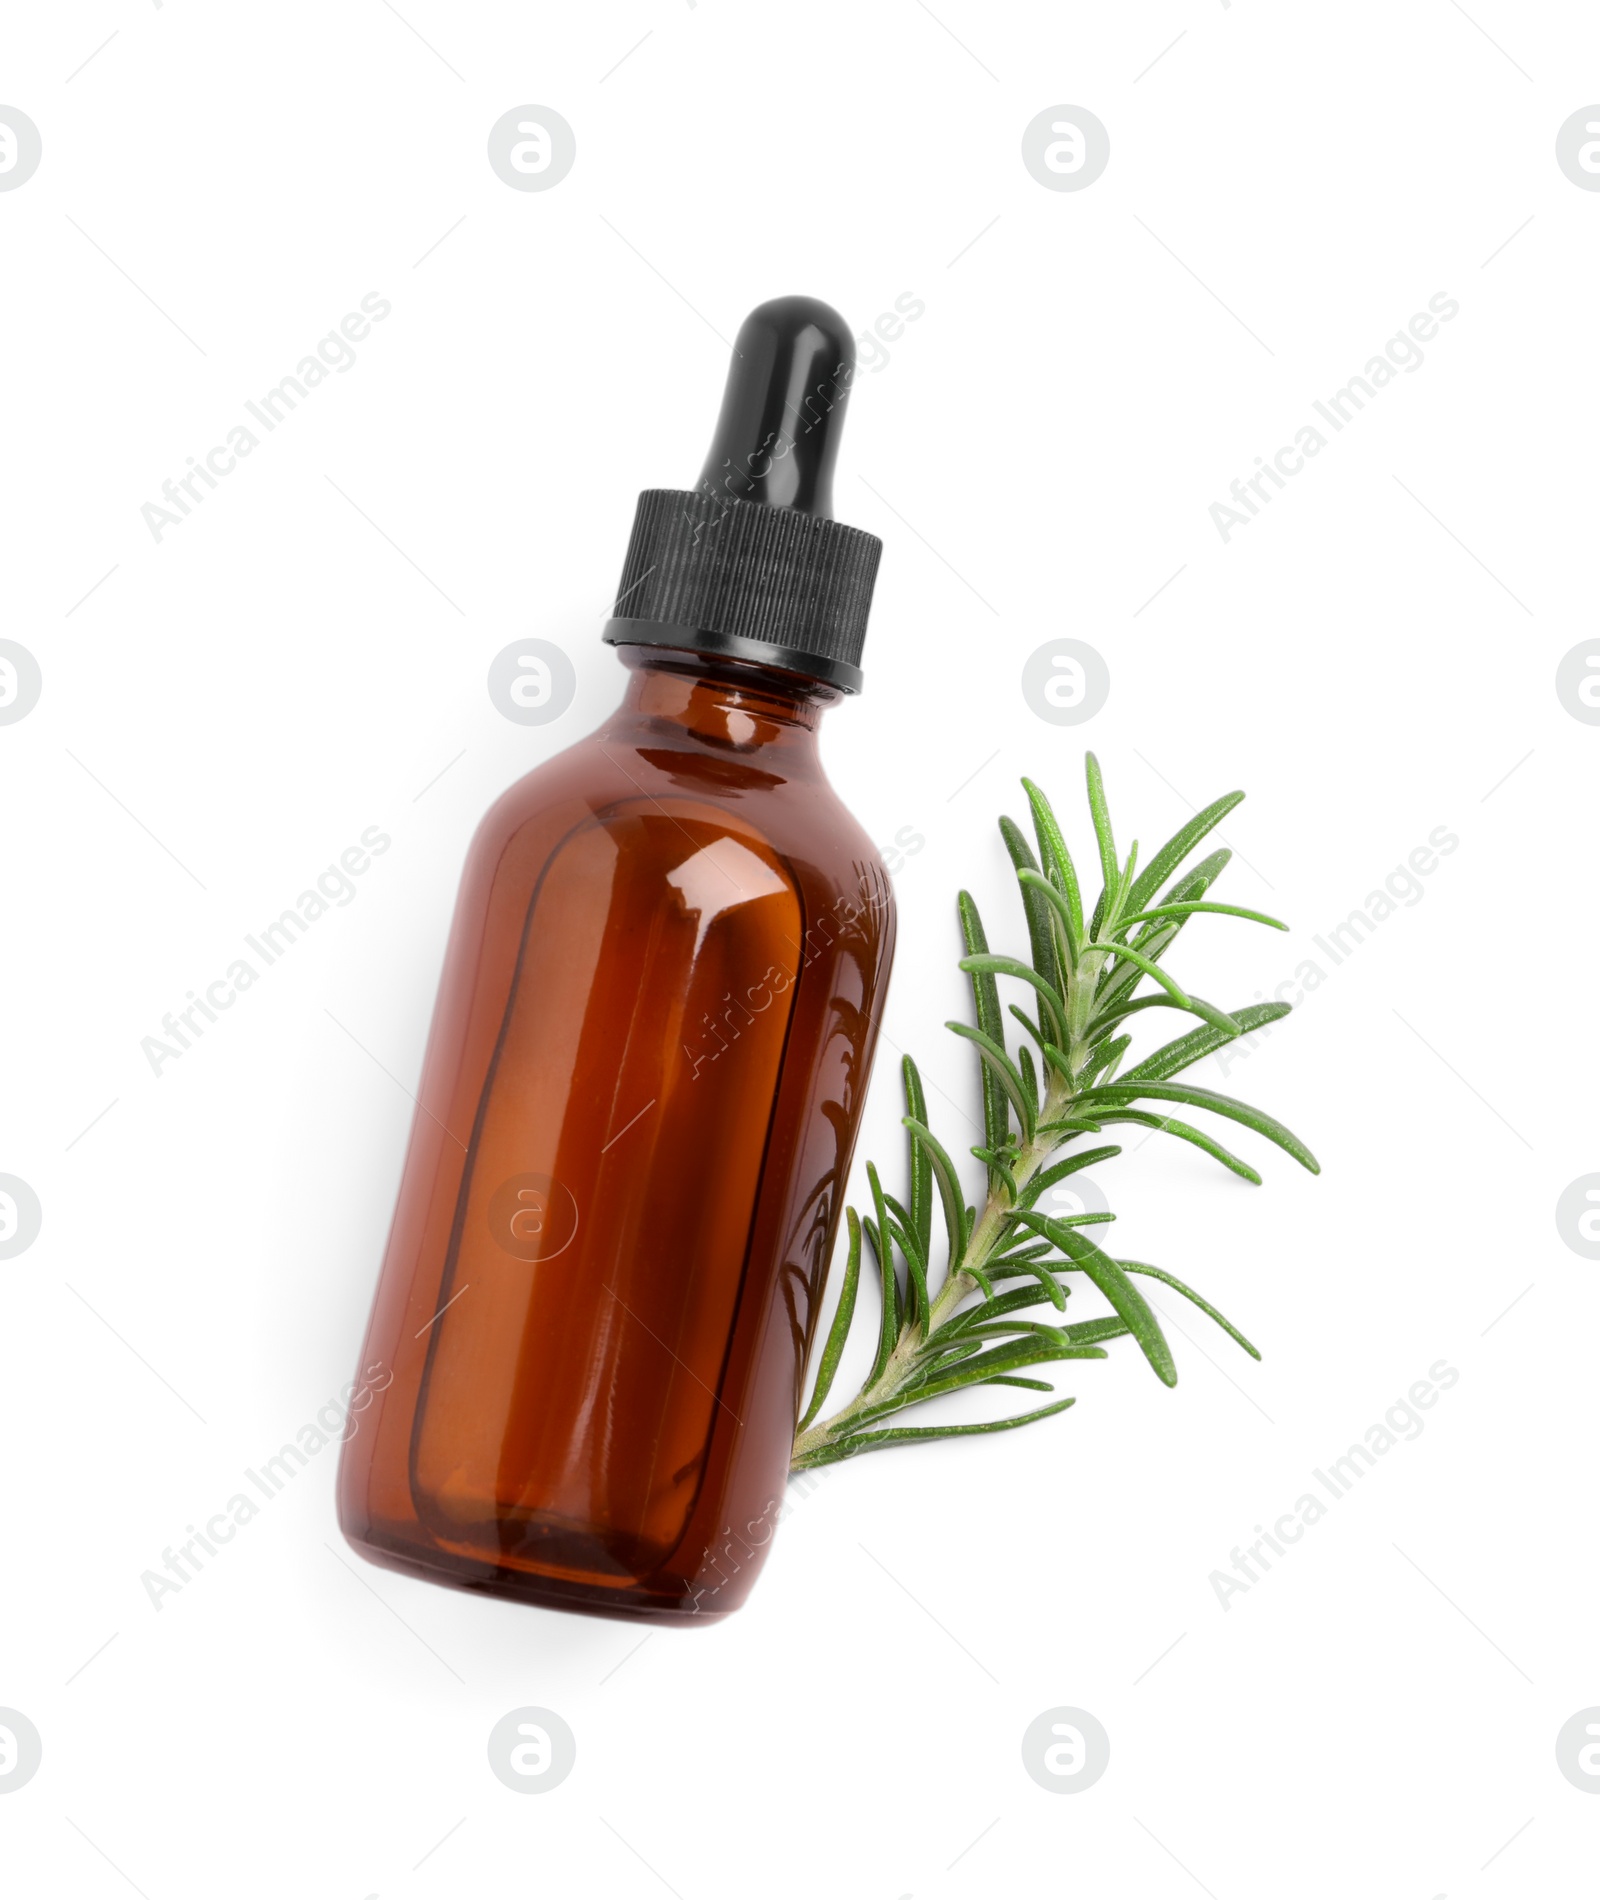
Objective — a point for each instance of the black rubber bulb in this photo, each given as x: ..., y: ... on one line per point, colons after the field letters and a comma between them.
x: 783, y: 409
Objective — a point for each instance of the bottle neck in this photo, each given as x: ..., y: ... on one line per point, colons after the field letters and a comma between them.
x: 693, y: 701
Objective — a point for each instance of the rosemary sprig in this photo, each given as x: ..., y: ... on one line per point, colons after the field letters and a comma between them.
x: 1082, y: 981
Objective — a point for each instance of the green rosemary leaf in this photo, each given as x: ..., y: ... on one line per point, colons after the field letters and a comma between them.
x: 1067, y: 929
x: 1040, y: 940
x: 1219, y: 1019
x: 1102, y: 826
x: 1216, y: 1019
x: 1197, y: 881
x: 1098, y: 1332
x: 910, y: 1246
x: 968, y: 1362
x: 1189, y: 1049
x: 904, y: 1434
x: 1105, y: 1018
x: 1127, y: 1301
x: 916, y: 1269
x: 949, y: 1355
x: 1087, y: 1219
x: 1015, y: 1267
x: 1122, y: 977
x: 999, y: 1164
x: 1028, y: 1023
x: 986, y: 1327
x: 1118, y: 1093
x: 900, y: 1214
x: 1157, y: 938
x: 1056, y: 861
x: 1000, y: 1066
x: 1193, y: 909
x: 975, y: 1371
x: 1020, y: 1267
x: 1052, y: 1287
x: 1030, y: 1082
x: 891, y: 1317
x: 1103, y: 1059
x: 1050, y: 997
x: 1060, y: 1061
x: 986, y: 1007
x: 1031, y: 1385
x: 944, y: 1173
x: 1003, y: 1358
x: 839, y: 1331
x: 1175, y: 990
x: 1117, y: 901
x: 980, y: 1276
x: 921, y: 1222
x: 1170, y: 1125
x: 1049, y: 1285
x: 1049, y: 1177
x: 1032, y: 1251
x: 990, y: 1311
x: 1188, y: 1292
x: 1178, y: 847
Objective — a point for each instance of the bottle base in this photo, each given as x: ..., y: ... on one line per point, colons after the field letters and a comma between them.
x: 632, y: 1604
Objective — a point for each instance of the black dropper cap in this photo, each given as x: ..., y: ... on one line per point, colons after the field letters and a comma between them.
x: 750, y: 563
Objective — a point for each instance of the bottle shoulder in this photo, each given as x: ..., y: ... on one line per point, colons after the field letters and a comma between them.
x: 608, y: 778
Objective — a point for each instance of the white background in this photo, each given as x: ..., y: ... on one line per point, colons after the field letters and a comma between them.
x: 229, y: 708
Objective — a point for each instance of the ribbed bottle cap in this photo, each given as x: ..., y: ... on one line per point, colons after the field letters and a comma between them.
x: 750, y: 564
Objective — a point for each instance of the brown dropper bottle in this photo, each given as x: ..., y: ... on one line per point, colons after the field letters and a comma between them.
x: 647, y: 1067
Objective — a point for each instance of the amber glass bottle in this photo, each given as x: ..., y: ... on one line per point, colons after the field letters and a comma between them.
x: 648, y: 1061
